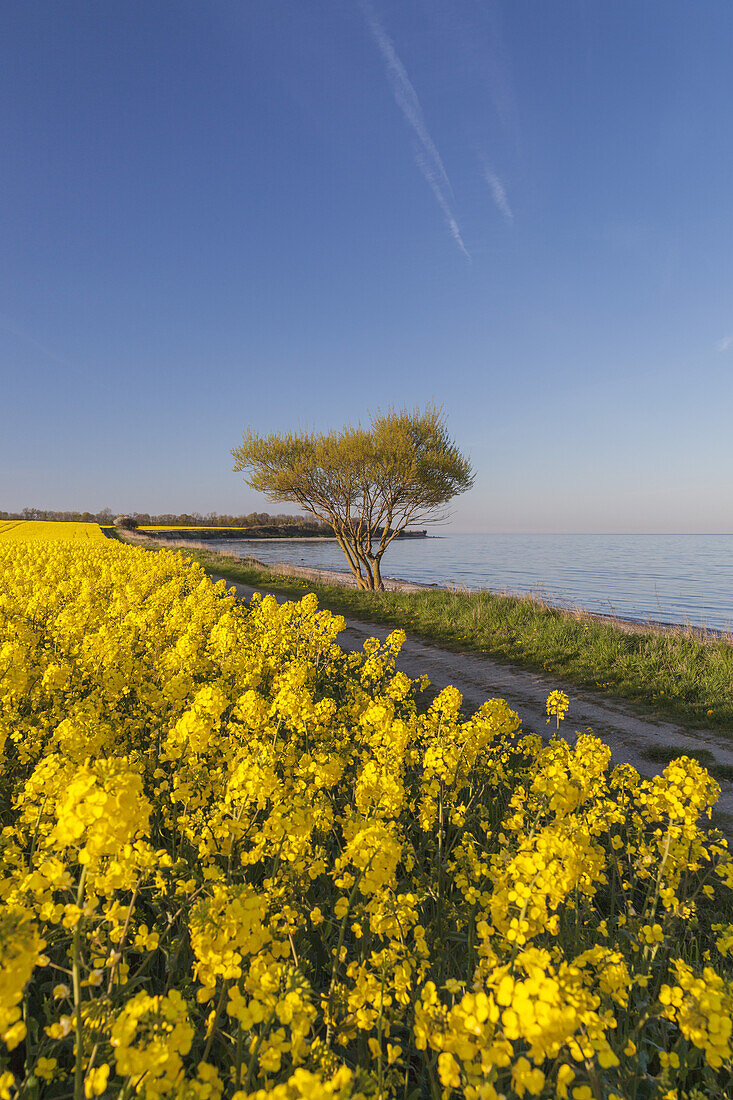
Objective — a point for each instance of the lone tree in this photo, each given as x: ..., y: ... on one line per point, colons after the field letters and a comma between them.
x: 369, y: 485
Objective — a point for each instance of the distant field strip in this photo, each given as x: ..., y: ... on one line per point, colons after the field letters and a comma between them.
x: 32, y: 530
x: 192, y: 527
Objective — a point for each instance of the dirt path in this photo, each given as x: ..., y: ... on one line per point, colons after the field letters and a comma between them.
x: 480, y: 678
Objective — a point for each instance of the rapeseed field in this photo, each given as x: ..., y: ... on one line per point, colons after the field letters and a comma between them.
x: 237, y: 861
x: 36, y: 530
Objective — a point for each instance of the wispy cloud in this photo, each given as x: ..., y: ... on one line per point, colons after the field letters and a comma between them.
x: 476, y: 34
x: 499, y: 71
x: 428, y: 158
x: 725, y: 343
x: 498, y: 193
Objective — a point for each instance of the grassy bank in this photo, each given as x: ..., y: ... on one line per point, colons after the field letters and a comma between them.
x: 675, y: 674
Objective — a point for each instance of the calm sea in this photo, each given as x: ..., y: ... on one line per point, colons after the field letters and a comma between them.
x: 665, y: 578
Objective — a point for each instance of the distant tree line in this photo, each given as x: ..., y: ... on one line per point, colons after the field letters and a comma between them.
x: 168, y: 519
x: 105, y: 517
x: 213, y: 519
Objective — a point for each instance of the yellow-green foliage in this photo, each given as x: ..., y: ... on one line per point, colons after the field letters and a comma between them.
x: 235, y: 860
x: 37, y: 530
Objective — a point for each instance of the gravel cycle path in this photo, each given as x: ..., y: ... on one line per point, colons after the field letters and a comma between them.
x: 478, y: 678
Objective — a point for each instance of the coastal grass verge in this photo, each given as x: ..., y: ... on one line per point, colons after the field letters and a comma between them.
x: 681, y: 673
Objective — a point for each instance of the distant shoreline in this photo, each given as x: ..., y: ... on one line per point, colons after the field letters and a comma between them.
x: 263, y: 534
x: 307, y: 538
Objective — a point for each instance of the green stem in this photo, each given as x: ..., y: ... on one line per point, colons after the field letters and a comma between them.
x: 76, y: 976
x: 238, y: 1058
x: 256, y: 1049
x: 379, y: 1032
x: 215, y: 1021
x: 337, y: 956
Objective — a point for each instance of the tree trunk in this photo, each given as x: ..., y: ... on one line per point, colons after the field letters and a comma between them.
x: 369, y: 574
x: 362, y: 557
x: 363, y: 565
x: 378, y: 582
x: 352, y: 559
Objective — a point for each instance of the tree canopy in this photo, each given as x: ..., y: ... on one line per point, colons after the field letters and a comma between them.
x: 369, y: 484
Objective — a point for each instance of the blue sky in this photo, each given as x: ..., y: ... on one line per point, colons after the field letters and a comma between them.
x: 286, y: 214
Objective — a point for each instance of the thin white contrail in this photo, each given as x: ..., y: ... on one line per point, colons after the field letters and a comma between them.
x: 725, y: 343
x: 498, y: 193
x: 428, y: 158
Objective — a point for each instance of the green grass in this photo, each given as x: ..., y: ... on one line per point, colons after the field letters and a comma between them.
x: 663, y: 754
x: 674, y: 674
